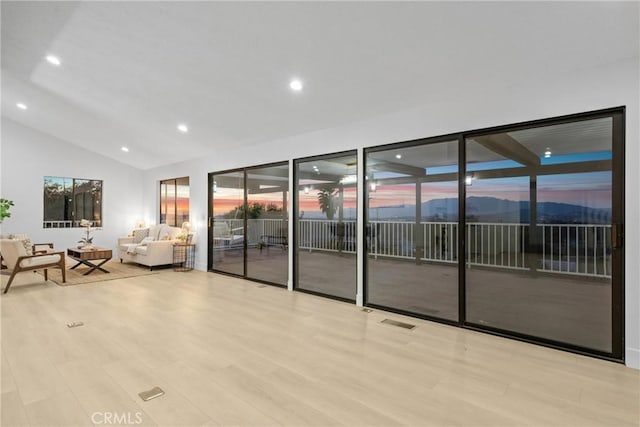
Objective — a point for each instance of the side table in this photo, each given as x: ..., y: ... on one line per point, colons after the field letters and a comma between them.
x: 184, y: 256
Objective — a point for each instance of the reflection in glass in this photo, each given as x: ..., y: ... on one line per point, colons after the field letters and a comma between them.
x: 174, y: 201
x: 67, y: 201
x: 228, y: 222
x: 412, y: 229
x: 182, y: 201
x: 267, y: 227
x: 326, y: 225
x: 538, y: 235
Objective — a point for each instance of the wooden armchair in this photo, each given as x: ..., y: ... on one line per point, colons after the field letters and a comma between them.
x: 42, y: 248
x: 16, y: 258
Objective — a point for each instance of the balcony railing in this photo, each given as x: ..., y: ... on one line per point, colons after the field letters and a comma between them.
x: 578, y: 249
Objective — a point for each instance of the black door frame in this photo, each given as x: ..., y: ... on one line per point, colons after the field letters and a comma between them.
x: 617, y: 262
x: 296, y: 213
x: 210, y: 202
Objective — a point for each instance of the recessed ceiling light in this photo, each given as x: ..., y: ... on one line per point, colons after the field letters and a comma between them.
x: 183, y: 128
x: 21, y: 106
x: 125, y: 149
x: 398, y: 156
x: 296, y: 85
x: 52, y: 59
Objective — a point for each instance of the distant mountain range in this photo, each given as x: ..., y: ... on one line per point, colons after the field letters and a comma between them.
x: 492, y: 209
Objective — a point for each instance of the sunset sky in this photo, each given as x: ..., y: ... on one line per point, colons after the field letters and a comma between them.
x: 592, y: 189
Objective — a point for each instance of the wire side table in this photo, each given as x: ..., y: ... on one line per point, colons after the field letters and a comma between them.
x: 184, y: 256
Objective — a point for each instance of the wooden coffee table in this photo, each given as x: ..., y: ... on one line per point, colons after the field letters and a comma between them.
x: 85, y: 256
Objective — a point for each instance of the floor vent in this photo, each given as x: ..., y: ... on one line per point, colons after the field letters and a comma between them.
x: 400, y: 324
x: 74, y: 324
x: 367, y: 310
x: 151, y: 394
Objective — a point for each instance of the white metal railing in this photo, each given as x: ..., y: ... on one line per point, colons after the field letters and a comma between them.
x: 496, y: 244
x: 67, y: 224
x: 581, y: 249
x: 327, y: 235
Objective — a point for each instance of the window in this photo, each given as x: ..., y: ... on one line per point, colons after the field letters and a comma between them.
x: 174, y: 201
x: 67, y: 201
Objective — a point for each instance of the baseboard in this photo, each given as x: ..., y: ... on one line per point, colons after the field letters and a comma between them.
x: 632, y: 358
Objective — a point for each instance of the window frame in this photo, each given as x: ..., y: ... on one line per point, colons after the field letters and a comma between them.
x: 174, y: 182
x: 74, y: 222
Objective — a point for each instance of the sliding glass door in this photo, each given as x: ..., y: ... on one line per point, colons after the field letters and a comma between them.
x: 267, y: 223
x: 537, y: 249
x: 326, y: 228
x: 248, y: 234
x: 412, y: 228
x: 541, y: 217
x: 227, y: 236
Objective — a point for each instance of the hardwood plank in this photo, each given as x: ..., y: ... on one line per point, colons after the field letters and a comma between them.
x: 13, y: 413
x: 172, y: 408
x: 61, y: 409
x: 227, y: 352
x: 99, y: 394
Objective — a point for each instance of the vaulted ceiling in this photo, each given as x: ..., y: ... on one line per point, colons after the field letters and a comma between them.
x: 132, y: 71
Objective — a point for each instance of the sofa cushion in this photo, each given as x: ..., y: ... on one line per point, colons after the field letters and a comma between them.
x: 41, y: 260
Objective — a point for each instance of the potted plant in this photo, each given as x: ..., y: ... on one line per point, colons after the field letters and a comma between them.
x: 5, y: 205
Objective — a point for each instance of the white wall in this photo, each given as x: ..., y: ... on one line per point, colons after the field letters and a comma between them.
x: 604, y: 87
x: 27, y: 156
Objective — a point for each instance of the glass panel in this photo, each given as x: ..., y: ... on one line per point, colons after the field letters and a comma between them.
x: 174, y: 201
x: 539, y: 235
x: 67, y: 201
x: 163, y: 199
x: 228, y: 223
x: 182, y: 201
x: 267, y: 228
x: 95, y: 191
x: 326, y: 225
x: 412, y: 237
x: 170, y: 203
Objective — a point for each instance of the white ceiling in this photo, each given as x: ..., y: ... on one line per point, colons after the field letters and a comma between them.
x: 131, y: 71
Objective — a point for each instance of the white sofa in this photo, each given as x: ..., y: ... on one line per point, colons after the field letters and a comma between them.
x: 151, y: 247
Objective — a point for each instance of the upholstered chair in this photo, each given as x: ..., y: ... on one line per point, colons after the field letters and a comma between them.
x: 17, y: 260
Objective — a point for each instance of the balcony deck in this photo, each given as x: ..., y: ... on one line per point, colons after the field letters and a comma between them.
x: 567, y: 308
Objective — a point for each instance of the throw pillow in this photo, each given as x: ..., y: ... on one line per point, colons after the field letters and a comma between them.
x: 147, y: 240
x: 140, y: 234
x: 28, y: 246
x: 155, y: 230
x: 26, y: 241
x: 164, y: 234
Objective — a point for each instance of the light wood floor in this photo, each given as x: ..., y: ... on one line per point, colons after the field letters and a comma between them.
x: 232, y: 352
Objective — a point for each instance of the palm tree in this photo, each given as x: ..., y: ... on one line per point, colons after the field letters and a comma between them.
x: 327, y: 199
